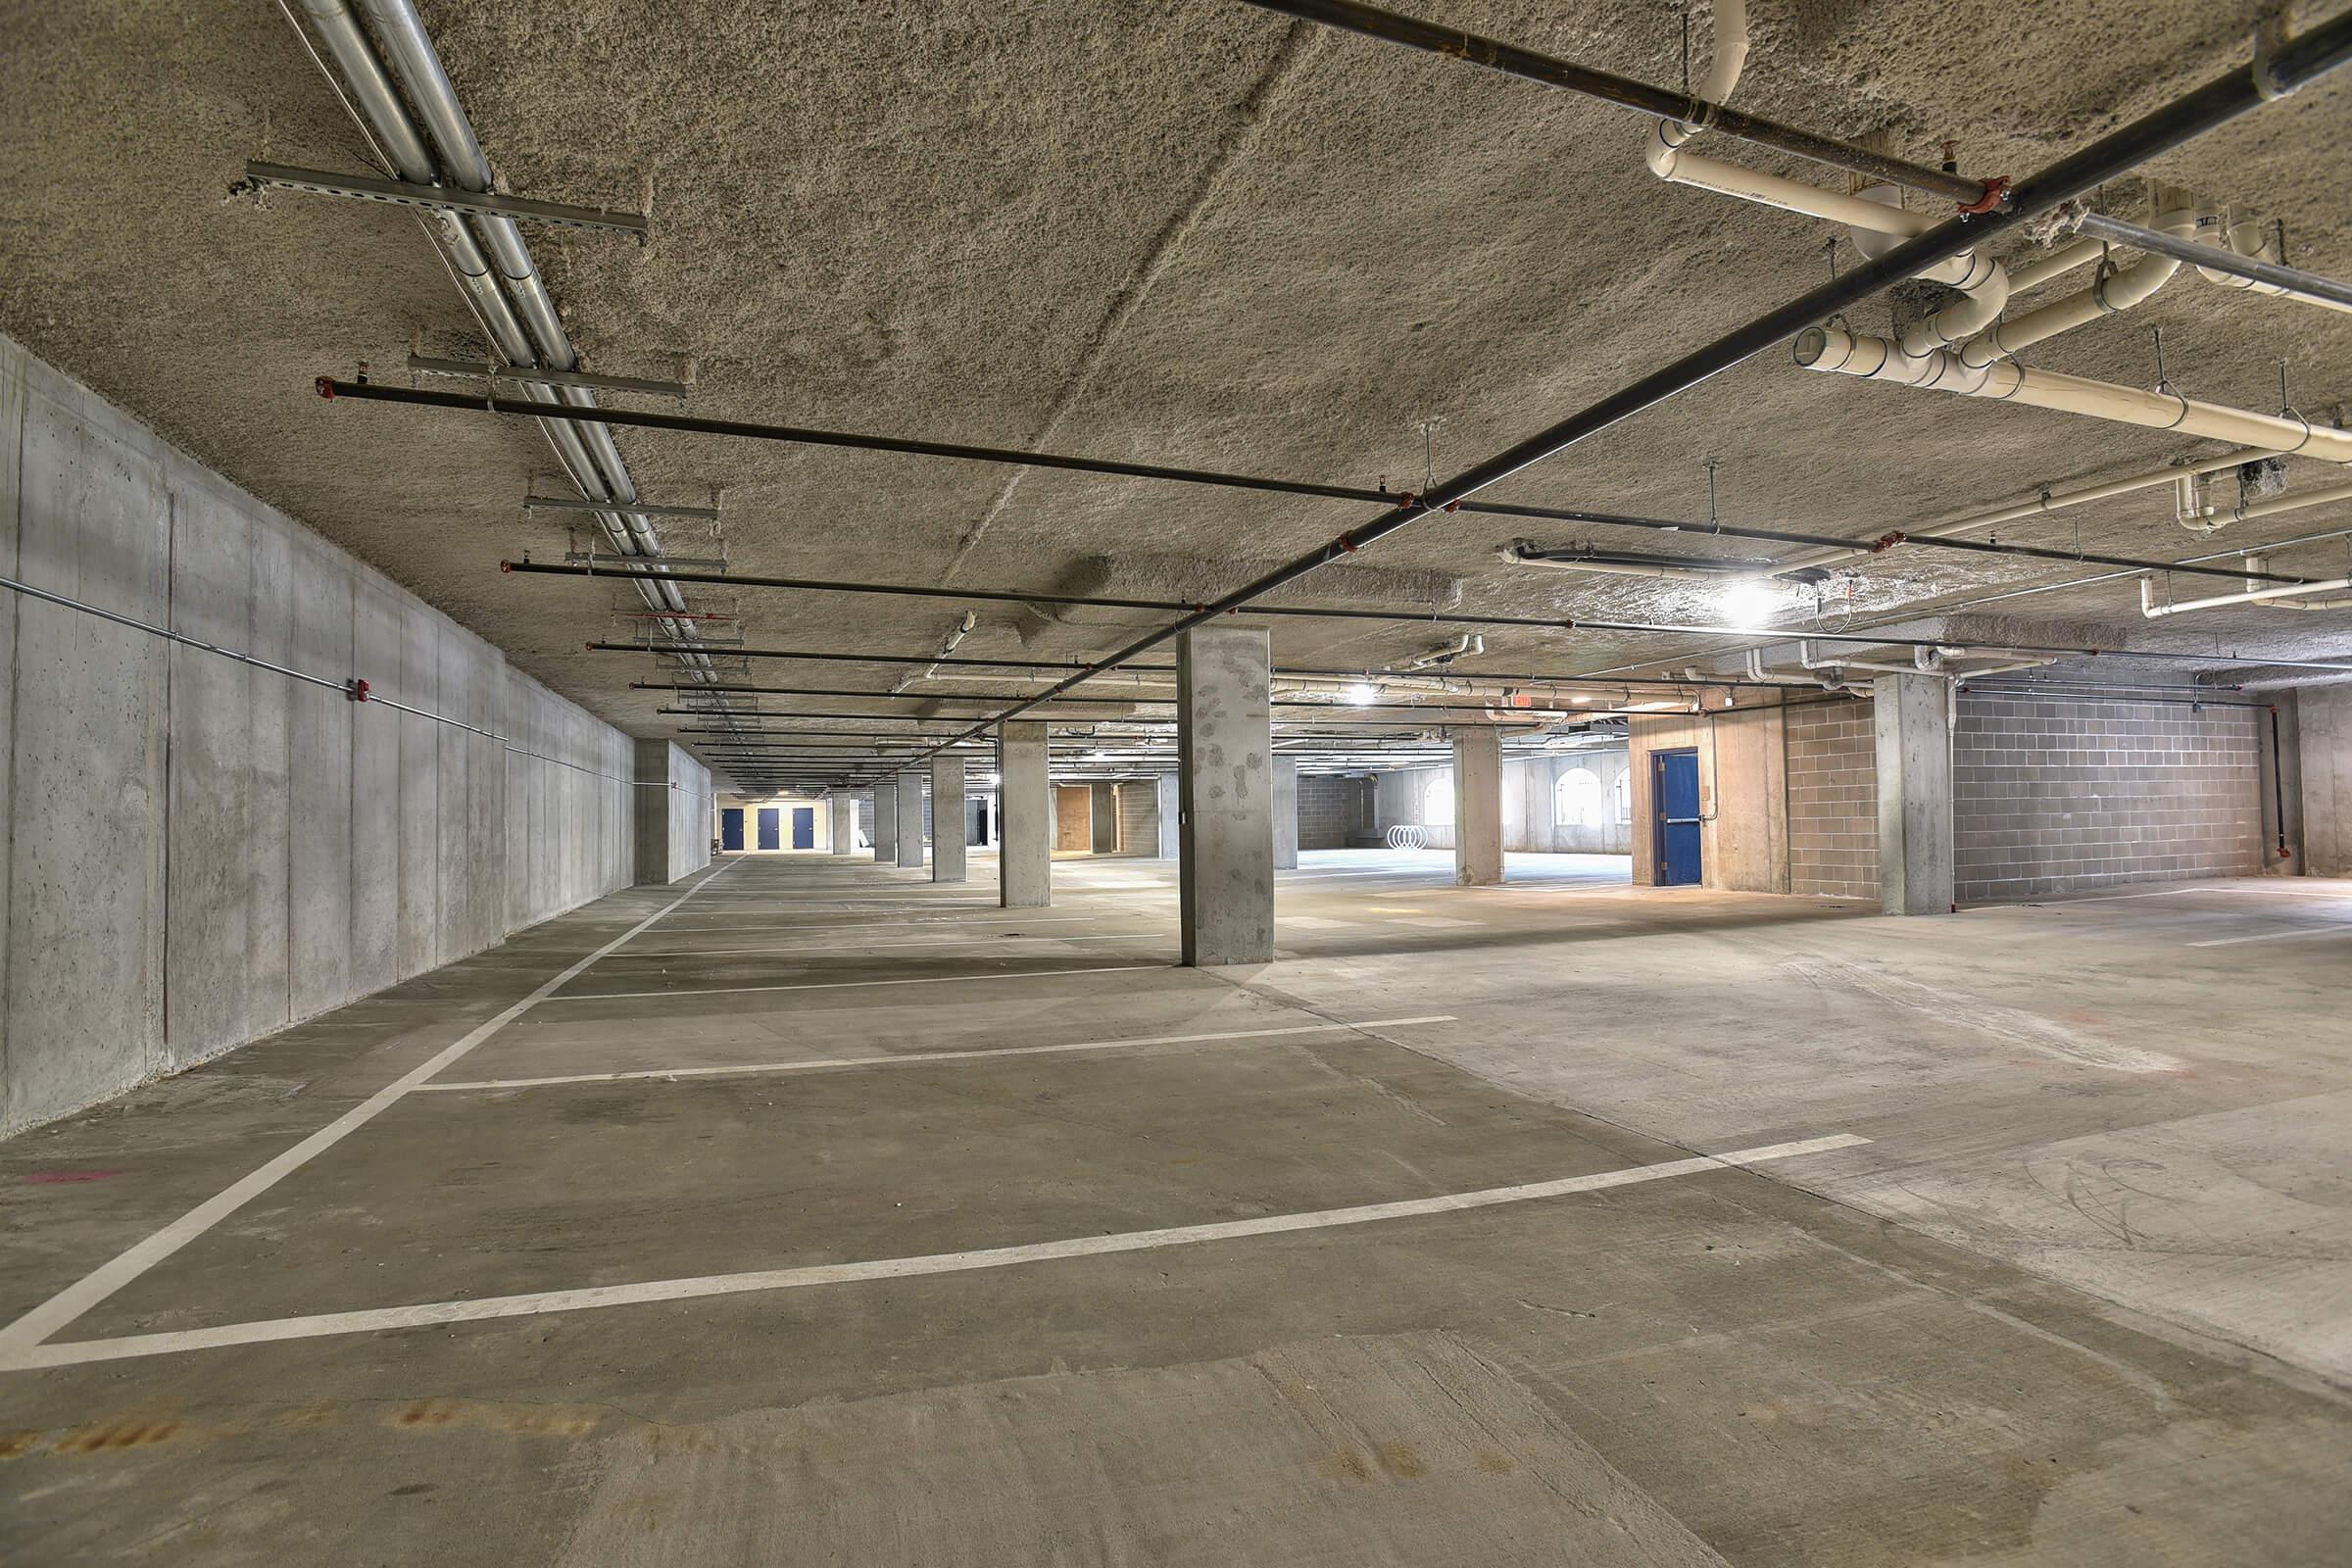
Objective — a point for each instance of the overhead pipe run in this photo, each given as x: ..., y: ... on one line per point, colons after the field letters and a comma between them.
x: 2294, y: 62
x: 2248, y: 257
x: 1683, y: 109
x: 1834, y: 349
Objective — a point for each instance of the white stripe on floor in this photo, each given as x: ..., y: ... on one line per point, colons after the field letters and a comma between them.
x: 431, y: 1313
x: 917, y: 1059
x: 105, y: 1280
x: 837, y: 985
x: 2278, y: 935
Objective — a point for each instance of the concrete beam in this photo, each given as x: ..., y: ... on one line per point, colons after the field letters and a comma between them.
x: 1025, y: 836
x: 947, y: 819
x: 1477, y: 806
x: 1225, y: 796
x: 909, y: 836
x: 1916, y: 866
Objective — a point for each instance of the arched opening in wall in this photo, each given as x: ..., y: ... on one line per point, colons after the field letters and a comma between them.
x: 1437, y: 802
x: 1622, y: 791
x: 1578, y: 799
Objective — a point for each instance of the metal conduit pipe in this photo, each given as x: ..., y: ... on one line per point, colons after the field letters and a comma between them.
x: 543, y: 341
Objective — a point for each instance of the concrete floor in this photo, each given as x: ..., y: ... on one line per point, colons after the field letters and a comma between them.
x: 2079, y: 1298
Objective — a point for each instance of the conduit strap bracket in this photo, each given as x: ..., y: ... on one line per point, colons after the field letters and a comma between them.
x: 400, y: 193
x: 358, y: 689
x: 1996, y: 194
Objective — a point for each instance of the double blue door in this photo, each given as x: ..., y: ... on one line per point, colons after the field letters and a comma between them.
x: 730, y: 827
x: 772, y: 827
x: 803, y: 827
x: 1674, y: 799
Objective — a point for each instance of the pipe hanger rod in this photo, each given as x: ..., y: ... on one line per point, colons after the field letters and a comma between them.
x: 1627, y: 93
x: 2294, y: 279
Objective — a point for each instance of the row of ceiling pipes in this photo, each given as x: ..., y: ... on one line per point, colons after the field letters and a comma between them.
x: 1969, y: 348
x: 503, y: 289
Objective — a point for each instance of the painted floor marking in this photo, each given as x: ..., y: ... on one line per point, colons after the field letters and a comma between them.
x: 1437, y: 922
x: 1312, y: 922
x: 918, y: 1059
x: 838, y: 985
x: 2278, y: 935
x: 26, y: 1356
x: 869, y: 947
x: 105, y: 1280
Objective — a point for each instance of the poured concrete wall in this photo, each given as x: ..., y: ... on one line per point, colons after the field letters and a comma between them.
x: 673, y: 813
x: 1533, y: 820
x: 194, y: 852
x: 2324, y: 724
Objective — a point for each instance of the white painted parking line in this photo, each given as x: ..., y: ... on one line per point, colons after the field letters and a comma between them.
x: 1435, y: 922
x: 920, y: 1058
x: 870, y: 947
x: 429, y: 1314
x: 837, y: 985
x: 105, y: 1280
x: 2278, y: 935
x: 1312, y: 922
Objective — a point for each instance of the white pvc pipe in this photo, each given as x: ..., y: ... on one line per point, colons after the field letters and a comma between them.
x: 2300, y: 590
x: 1829, y: 348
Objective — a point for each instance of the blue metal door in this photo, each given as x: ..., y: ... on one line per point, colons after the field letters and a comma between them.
x: 730, y: 827
x: 772, y: 827
x: 1674, y: 799
x: 803, y: 827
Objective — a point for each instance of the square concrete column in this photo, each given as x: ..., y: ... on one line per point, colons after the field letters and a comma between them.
x: 1025, y: 807
x: 1916, y: 874
x: 1477, y: 807
x: 911, y: 821
x: 1170, y: 844
x: 1225, y: 796
x: 947, y: 819
x: 842, y: 809
x: 1105, y: 799
x: 886, y: 823
x: 1285, y: 813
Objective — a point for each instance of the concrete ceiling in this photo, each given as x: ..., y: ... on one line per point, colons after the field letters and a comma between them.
x: 1190, y: 233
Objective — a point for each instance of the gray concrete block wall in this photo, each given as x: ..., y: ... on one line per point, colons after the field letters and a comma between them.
x: 1139, y: 816
x: 1331, y: 809
x: 195, y: 853
x: 1832, y: 799
x: 2053, y: 797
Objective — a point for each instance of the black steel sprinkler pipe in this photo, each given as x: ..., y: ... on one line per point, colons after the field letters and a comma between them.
x: 1969, y: 195
x: 2320, y: 49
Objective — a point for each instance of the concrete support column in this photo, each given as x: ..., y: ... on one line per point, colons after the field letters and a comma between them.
x: 886, y: 823
x: 1285, y: 813
x: 911, y: 821
x: 1170, y: 844
x: 1025, y: 829
x: 1916, y: 868
x: 1105, y: 799
x: 947, y: 819
x: 1225, y: 796
x: 1477, y: 806
x: 842, y: 808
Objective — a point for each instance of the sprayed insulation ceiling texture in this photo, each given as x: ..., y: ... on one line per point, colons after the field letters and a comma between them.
x: 1190, y: 233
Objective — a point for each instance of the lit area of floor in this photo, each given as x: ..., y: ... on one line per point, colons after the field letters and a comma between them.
x: 1661, y: 1228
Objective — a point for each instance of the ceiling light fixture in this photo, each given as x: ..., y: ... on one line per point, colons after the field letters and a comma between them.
x: 1749, y: 603
x: 1362, y: 694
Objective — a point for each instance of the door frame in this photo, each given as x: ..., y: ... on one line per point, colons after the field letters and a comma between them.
x: 1658, y: 820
